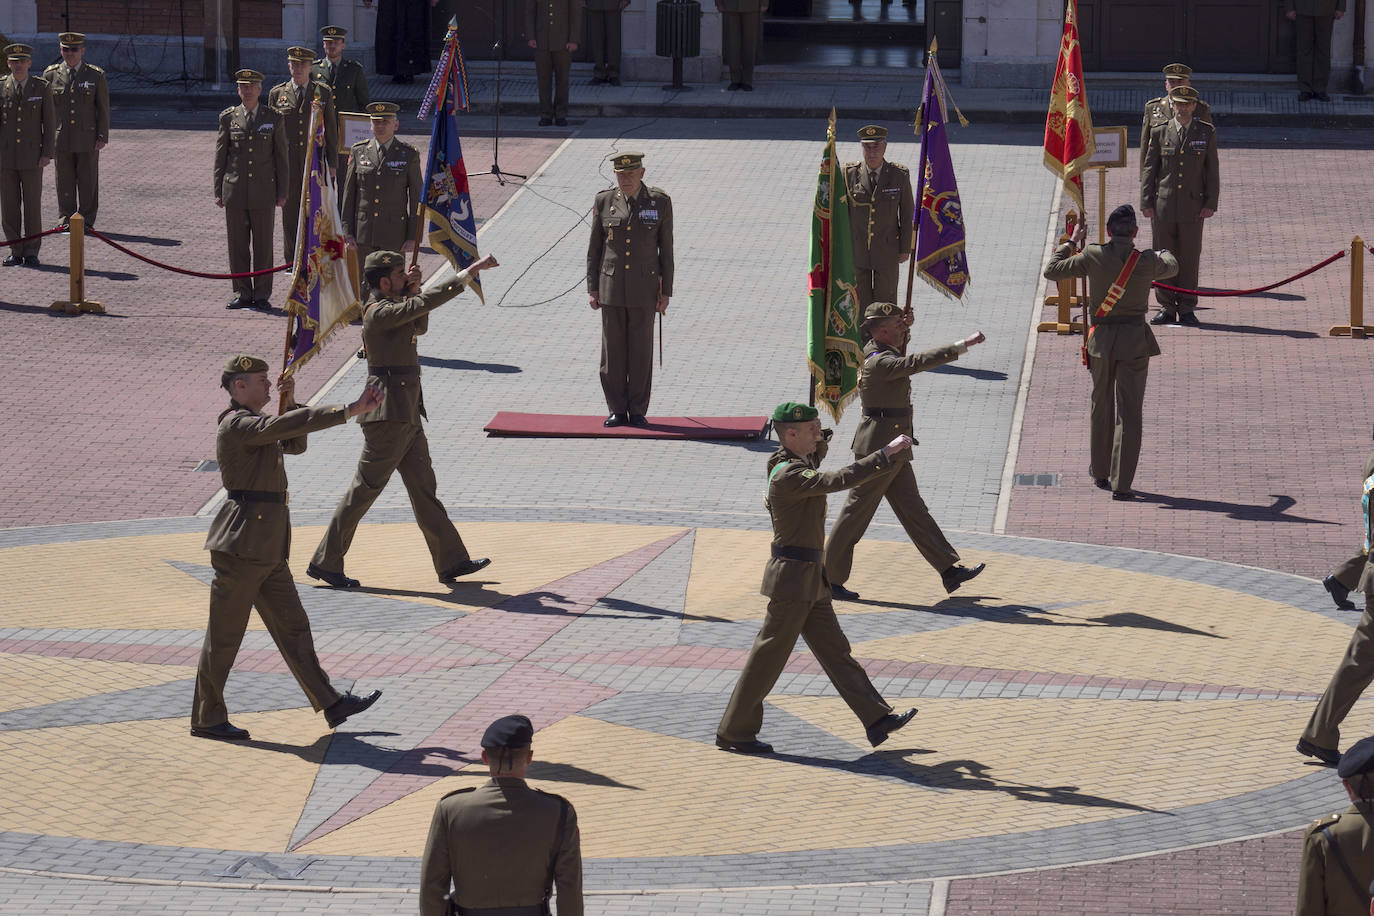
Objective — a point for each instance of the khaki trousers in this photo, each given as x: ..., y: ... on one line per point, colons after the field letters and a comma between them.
x: 627, y: 358
x: 239, y: 585
x: 1352, y: 676
x: 603, y: 42
x: 877, y: 284
x: 392, y: 445
x: 1184, y: 239
x: 898, y: 485
x: 1117, y: 421
x: 250, y: 248
x: 1348, y: 573
x: 739, y: 34
x: 551, y: 66
x: 21, y: 208
x: 815, y: 622
x: 290, y: 220
x: 78, y: 185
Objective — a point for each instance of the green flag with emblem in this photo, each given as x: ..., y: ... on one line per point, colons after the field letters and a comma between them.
x: 833, y: 350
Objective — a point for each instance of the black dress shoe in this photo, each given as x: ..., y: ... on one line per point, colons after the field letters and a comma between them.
x: 238, y: 302
x: 1188, y: 319
x: 223, y: 731
x: 1123, y: 496
x: 1304, y: 96
x: 733, y: 87
x: 840, y: 593
x: 753, y: 746
x: 614, y: 81
x: 639, y: 420
x: 349, y: 705
x: 31, y: 260
x: 12, y: 261
x: 1339, y: 593
x: 465, y: 568
x: 335, y: 579
x: 1102, y: 483
x: 262, y: 305
x: 877, y: 732
x: 1163, y: 317
x: 545, y: 122
x: 1321, y: 96
x: 1325, y: 754
x: 597, y: 81
x: 747, y: 87
x: 560, y: 122
x: 615, y: 419
x: 957, y: 575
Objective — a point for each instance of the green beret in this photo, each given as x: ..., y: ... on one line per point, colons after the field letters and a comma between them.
x: 627, y: 162
x: 382, y: 260
x: 877, y: 311
x: 300, y: 55
x: 334, y: 32
x: 248, y: 76
x: 379, y: 111
x: 872, y: 133
x: 241, y: 364
x: 792, y: 412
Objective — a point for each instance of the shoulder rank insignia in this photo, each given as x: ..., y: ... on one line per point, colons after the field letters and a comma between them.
x: 808, y: 473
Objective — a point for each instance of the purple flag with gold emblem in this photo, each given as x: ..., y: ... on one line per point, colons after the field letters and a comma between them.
x: 940, y: 257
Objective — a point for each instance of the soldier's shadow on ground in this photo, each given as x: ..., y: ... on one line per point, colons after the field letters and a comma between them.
x: 1244, y: 512
x: 1030, y: 615
x: 466, y: 592
x: 467, y: 365
x: 104, y: 274
x: 157, y: 240
x: 1259, y: 331
x: 555, y: 604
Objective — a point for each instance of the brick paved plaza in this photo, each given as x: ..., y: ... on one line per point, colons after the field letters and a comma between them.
x: 1107, y: 715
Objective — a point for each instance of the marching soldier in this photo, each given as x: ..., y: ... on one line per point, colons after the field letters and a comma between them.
x: 881, y: 209
x: 82, y: 103
x: 1346, y: 577
x: 603, y: 39
x: 382, y: 188
x: 799, y: 601
x: 629, y: 278
x: 250, y: 541
x: 1337, y: 868
x: 885, y: 390
x: 27, y: 134
x: 1160, y: 111
x: 1179, y: 186
x: 503, y: 846
x: 553, y: 28
x: 344, y: 76
x: 741, y: 22
x: 393, y: 437
x: 251, y: 177
x: 291, y: 100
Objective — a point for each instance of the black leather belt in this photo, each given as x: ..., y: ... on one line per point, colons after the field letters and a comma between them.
x: 257, y: 496
x: 895, y: 413
x: 394, y: 370
x: 538, y: 909
x: 806, y: 554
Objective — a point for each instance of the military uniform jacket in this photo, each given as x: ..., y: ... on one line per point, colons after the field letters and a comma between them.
x: 796, y: 505
x: 880, y: 213
x: 1366, y: 584
x: 382, y: 194
x: 630, y: 255
x: 249, y: 447
x: 294, y: 109
x: 250, y: 158
x: 81, y: 100
x: 347, y: 81
x: 553, y: 24
x: 1323, y: 888
x: 1159, y: 111
x: 1180, y: 177
x: 1313, y: 7
x: 27, y: 122
x: 885, y: 381
x: 391, y: 331
x: 1123, y: 333
x: 500, y: 844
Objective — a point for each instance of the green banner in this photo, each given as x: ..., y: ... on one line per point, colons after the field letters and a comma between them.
x: 833, y: 349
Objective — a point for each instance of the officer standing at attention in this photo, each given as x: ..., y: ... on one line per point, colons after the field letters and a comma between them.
x: 1160, y: 111
x: 81, y: 100
x: 1179, y: 186
x: 382, y: 188
x: 393, y: 437
x: 1314, y: 19
x: 503, y: 846
x: 343, y: 76
x: 881, y: 209
x: 553, y: 28
x: 603, y: 38
x: 1119, y: 344
x: 794, y: 580
x: 1337, y: 865
x: 27, y: 134
x: 885, y: 389
x: 251, y: 177
x: 250, y: 540
x: 292, y: 100
x: 741, y: 23
x: 629, y: 278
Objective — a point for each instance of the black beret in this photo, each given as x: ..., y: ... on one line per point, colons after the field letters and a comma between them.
x: 1123, y: 215
x: 1359, y: 759
x: 509, y: 732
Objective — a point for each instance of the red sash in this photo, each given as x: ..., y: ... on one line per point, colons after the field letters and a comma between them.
x: 1113, y: 296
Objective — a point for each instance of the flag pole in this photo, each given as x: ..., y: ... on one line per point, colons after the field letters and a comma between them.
x: 920, y: 185
x: 302, y: 216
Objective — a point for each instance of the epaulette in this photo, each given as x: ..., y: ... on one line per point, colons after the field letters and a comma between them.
x: 852, y: 165
x: 898, y: 165
x: 362, y: 143
x: 1321, y: 822
x: 95, y: 68
x: 52, y: 66
x: 551, y: 795
x: 1158, y: 101
x: 319, y: 60
x: 458, y: 792
x: 229, y: 110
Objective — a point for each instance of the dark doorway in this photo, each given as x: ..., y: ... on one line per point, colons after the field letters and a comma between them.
x: 845, y: 33
x: 1219, y: 36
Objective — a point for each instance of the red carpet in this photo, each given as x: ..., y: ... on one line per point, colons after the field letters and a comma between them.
x: 568, y: 426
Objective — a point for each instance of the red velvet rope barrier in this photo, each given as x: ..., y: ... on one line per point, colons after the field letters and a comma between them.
x: 30, y: 238
x: 1259, y: 289
x: 180, y: 270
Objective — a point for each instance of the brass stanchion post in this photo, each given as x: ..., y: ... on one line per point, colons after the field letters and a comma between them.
x: 1101, y: 204
x: 1357, y: 328
x: 78, y: 302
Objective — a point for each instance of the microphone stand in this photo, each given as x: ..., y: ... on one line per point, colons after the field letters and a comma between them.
x: 500, y: 51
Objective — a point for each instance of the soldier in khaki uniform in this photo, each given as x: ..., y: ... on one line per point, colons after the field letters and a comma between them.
x: 1160, y: 111
x: 794, y: 580
x: 27, y: 136
x: 81, y: 101
x: 250, y: 541
x: 251, y: 177
x: 554, y: 28
x: 885, y: 390
x: 343, y: 76
x: 382, y: 188
x: 503, y: 846
x: 603, y: 38
x: 1345, y: 577
x: 741, y: 24
x: 1338, y: 852
x: 1314, y: 19
x: 1179, y: 186
x: 1120, y: 345
x: 629, y: 278
x: 881, y: 210
x: 393, y: 437
x: 292, y: 101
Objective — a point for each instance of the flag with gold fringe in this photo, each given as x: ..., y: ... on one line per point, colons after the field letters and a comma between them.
x: 1069, y: 124
x: 940, y: 257
x: 834, y: 352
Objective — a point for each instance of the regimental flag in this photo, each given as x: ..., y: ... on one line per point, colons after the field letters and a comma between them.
x: 833, y: 352
x: 940, y: 257
x: 321, y: 299
x: 1069, y: 124
x: 447, y: 202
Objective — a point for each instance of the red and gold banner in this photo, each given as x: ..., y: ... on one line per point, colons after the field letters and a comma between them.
x: 1069, y: 124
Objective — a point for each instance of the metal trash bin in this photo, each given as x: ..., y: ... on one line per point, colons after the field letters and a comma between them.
x: 677, y: 34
